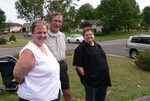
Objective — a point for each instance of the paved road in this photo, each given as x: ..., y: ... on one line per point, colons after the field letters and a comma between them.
x: 116, y: 47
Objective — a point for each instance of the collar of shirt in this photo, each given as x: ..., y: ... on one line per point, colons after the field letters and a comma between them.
x: 95, y: 44
x: 53, y: 34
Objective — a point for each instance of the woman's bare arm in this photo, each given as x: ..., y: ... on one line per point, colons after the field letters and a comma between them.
x: 24, y: 64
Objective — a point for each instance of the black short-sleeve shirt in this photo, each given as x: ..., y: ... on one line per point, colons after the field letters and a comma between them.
x: 94, y: 62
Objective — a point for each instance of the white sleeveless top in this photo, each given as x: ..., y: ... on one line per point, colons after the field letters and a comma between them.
x: 42, y: 83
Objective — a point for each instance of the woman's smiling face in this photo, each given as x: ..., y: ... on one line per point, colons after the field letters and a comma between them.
x: 39, y: 34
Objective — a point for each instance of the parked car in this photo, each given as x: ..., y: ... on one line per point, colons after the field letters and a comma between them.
x: 137, y: 44
x: 77, y: 38
x: 28, y: 34
x: 3, y: 32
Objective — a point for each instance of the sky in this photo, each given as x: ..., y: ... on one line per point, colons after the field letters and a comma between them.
x: 8, y: 6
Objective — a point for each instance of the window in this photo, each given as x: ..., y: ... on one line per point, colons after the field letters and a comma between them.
x: 143, y: 40
x: 136, y: 39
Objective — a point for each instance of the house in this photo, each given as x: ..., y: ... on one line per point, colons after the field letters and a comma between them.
x: 26, y: 27
x: 13, y: 27
x: 95, y: 24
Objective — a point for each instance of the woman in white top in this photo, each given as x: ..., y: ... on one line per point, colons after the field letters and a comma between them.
x: 37, y: 70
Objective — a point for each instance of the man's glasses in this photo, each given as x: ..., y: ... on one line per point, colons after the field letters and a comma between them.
x: 57, y: 21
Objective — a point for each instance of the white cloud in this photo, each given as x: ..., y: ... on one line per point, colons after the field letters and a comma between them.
x: 143, y: 3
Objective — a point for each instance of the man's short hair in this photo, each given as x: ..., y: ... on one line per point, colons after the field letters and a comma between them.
x: 54, y: 14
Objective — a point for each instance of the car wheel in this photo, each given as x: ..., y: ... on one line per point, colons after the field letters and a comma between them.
x: 1, y: 92
x: 68, y: 40
x: 133, y: 54
x: 77, y: 41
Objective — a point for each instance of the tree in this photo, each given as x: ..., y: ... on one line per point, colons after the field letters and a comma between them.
x: 146, y: 17
x: 130, y: 14
x: 42, y: 9
x: 2, y: 19
x: 30, y: 10
x: 118, y: 14
x: 86, y: 12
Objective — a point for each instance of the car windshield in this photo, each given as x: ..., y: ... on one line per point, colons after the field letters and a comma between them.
x: 76, y: 35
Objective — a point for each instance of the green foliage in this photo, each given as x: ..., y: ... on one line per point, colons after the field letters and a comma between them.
x: 146, y: 17
x: 143, y: 61
x: 42, y: 9
x: 30, y: 11
x: 100, y: 34
x: 18, y: 43
x: 86, y: 12
x: 2, y: 19
x: 106, y: 30
x: 118, y: 13
x: 146, y: 14
x: 12, y: 38
x: 3, y: 41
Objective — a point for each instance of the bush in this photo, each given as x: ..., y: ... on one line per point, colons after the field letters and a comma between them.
x: 3, y: 41
x: 12, y: 38
x: 101, y: 34
x: 143, y: 61
x: 106, y: 29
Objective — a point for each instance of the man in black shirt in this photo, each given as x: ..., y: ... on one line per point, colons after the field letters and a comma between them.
x: 92, y: 67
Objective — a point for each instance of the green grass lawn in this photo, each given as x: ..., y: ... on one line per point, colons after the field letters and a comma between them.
x: 128, y: 81
x: 18, y: 43
x: 119, y: 35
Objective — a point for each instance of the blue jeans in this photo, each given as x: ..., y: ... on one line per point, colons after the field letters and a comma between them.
x: 95, y: 94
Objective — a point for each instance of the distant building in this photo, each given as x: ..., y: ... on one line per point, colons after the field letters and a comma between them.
x: 26, y: 27
x: 13, y: 27
x: 95, y: 24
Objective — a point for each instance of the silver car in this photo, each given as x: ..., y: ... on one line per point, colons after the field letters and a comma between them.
x: 137, y: 44
x: 77, y: 38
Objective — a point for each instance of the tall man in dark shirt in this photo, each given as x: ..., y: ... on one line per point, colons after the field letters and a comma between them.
x: 92, y: 67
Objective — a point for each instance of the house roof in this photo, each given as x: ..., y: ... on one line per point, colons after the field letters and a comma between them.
x: 27, y: 25
x: 93, y: 22
x: 12, y: 24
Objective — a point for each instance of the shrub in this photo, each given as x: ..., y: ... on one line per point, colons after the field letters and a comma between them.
x: 100, y: 34
x: 3, y: 41
x: 143, y: 61
x: 12, y: 38
x: 106, y: 29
